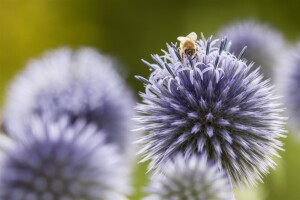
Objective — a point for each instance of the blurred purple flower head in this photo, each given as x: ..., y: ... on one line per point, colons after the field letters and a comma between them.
x: 81, y: 84
x: 262, y: 41
x: 194, y: 178
x: 211, y: 105
x: 291, y: 89
x: 54, y: 160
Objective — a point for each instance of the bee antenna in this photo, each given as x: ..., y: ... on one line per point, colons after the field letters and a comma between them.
x: 242, y: 53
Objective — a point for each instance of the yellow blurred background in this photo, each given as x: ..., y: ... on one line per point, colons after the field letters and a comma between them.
x: 133, y: 29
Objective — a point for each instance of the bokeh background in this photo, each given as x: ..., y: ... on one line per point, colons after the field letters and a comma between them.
x: 133, y: 29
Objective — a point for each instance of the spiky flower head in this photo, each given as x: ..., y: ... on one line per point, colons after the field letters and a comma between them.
x: 262, y: 41
x: 210, y: 105
x: 290, y: 86
x: 81, y: 84
x: 54, y: 160
x: 193, y: 179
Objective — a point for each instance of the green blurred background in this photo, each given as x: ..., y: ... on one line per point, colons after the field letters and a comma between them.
x: 131, y: 30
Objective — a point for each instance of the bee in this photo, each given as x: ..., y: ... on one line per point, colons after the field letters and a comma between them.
x: 188, y: 45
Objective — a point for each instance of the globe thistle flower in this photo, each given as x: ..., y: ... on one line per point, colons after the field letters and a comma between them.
x: 190, y: 179
x: 81, y: 84
x: 291, y: 88
x: 54, y: 160
x: 210, y: 105
x: 262, y: 41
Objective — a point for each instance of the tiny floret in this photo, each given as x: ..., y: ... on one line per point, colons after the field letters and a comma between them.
x: 211, y: 104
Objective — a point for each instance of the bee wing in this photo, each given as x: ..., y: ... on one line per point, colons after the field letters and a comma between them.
x: 181, y: 38
x: 192, y: 36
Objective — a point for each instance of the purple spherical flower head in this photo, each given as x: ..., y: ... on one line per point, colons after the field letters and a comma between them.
x: 213, y: 105
x: 193, y: 179
x: 262, y: 41
x: 56, y: 160
x: 81, y: 84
